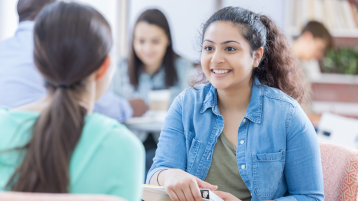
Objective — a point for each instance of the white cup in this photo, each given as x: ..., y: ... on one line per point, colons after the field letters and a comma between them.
x: 159, y: 100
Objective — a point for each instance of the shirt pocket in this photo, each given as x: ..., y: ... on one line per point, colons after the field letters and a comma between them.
x: 267, y: 173
x: 192, y: 154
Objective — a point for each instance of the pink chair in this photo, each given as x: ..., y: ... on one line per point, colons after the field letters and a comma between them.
x: 340, y: 172
x: 19, y: 196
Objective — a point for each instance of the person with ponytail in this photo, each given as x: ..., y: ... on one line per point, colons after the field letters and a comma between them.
x: 57, y: 145
x: 242, y: 134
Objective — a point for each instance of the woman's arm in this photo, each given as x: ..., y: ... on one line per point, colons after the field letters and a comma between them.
x: 303, y: 169
x: 170, y: 161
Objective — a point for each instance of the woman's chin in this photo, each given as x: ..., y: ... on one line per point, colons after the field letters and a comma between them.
x: 219, y: 85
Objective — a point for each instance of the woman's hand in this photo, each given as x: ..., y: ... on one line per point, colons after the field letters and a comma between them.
x: 182, y: 186
x: 139, y: 107
x: 226, y: 196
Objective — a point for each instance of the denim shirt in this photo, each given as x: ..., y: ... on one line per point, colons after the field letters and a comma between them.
x: 277, y: 150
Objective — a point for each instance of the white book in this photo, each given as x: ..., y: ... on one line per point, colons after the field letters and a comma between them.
x: 158, y: 193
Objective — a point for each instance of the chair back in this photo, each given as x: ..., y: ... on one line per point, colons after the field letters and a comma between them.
x: 20, y: 196
x: 340, y: 172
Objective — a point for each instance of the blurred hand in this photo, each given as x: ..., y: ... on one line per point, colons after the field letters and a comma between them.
x: 182, y: 186
x: 226, y: 196
x: 139, y: 107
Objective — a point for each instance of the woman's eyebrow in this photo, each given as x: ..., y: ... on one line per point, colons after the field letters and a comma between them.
x: 231, y: 41
x: 225, y: 42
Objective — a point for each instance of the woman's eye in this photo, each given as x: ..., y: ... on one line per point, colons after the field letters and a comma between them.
x: 208, y: 48
x: 230, y: 49
x: 155, y: 42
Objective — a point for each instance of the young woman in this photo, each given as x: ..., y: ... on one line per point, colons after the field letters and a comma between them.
x: 57, y: 145
x: 243, y: 132
x: 152, y: 63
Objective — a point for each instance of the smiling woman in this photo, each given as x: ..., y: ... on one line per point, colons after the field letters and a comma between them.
x: 227, y: 59
x: 242, y: 133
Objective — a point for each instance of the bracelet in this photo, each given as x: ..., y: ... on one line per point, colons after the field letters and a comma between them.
x: 158, y: 175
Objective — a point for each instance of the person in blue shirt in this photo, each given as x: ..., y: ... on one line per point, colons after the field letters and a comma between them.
x: 21, y: 83
x: 152, y: 65
x: 243, y: 133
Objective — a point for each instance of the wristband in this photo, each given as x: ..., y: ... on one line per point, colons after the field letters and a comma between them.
x: 158, y: 176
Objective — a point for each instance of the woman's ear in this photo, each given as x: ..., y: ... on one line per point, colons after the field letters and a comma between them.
x: 258, y: 56
x: 103, y: 69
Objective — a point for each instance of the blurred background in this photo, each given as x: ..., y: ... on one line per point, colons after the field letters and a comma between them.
x: 335, y: 83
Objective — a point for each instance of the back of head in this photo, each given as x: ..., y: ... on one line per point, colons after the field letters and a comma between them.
x: 318, y: 30
x: 71, y: 41
x: 277, y: 67
x: 29, y: 9
x: 157, y: 18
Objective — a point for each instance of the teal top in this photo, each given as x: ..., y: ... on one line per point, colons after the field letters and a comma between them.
x: 108, y: 158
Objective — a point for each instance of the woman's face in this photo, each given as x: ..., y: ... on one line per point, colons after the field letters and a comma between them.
x: 226, y: 59
x: 150, y: 43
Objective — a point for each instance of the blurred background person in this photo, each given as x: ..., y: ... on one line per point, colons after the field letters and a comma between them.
x: 56, y: 145
x: 152, y: 65
x: 21, y: 83
x: 310, y: 47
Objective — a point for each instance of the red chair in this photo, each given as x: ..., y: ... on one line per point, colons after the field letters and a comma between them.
x: 340, y: 172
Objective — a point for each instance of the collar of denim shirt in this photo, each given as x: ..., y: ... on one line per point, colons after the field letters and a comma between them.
x: 254, y: 110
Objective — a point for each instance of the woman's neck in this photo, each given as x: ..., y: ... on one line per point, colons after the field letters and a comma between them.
x: 236, y: 99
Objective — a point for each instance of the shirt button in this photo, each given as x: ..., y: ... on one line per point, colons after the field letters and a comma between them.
x: 244, y: 120
x: 242, y: 141
x: 243, y: 167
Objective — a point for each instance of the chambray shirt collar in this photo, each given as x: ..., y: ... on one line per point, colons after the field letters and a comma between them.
x: 254, y: 110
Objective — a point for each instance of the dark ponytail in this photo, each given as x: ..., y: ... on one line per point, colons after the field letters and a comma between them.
x: 71, y: 42
x: 277, y: 68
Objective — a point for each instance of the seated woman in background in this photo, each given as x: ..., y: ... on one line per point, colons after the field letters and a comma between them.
x: 152, y: 62
x: 56, y: 145
x: 243, y: 132
x: 152, y: 65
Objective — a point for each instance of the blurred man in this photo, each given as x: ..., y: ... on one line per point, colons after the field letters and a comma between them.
x: 309, y: 47
x: 313, y: 41
x: 20, y: 81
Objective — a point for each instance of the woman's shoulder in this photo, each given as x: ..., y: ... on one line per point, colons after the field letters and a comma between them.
x: 10, y: 118
x: 278, y: 96
x: 104, y: 128
x: 103, y: 138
